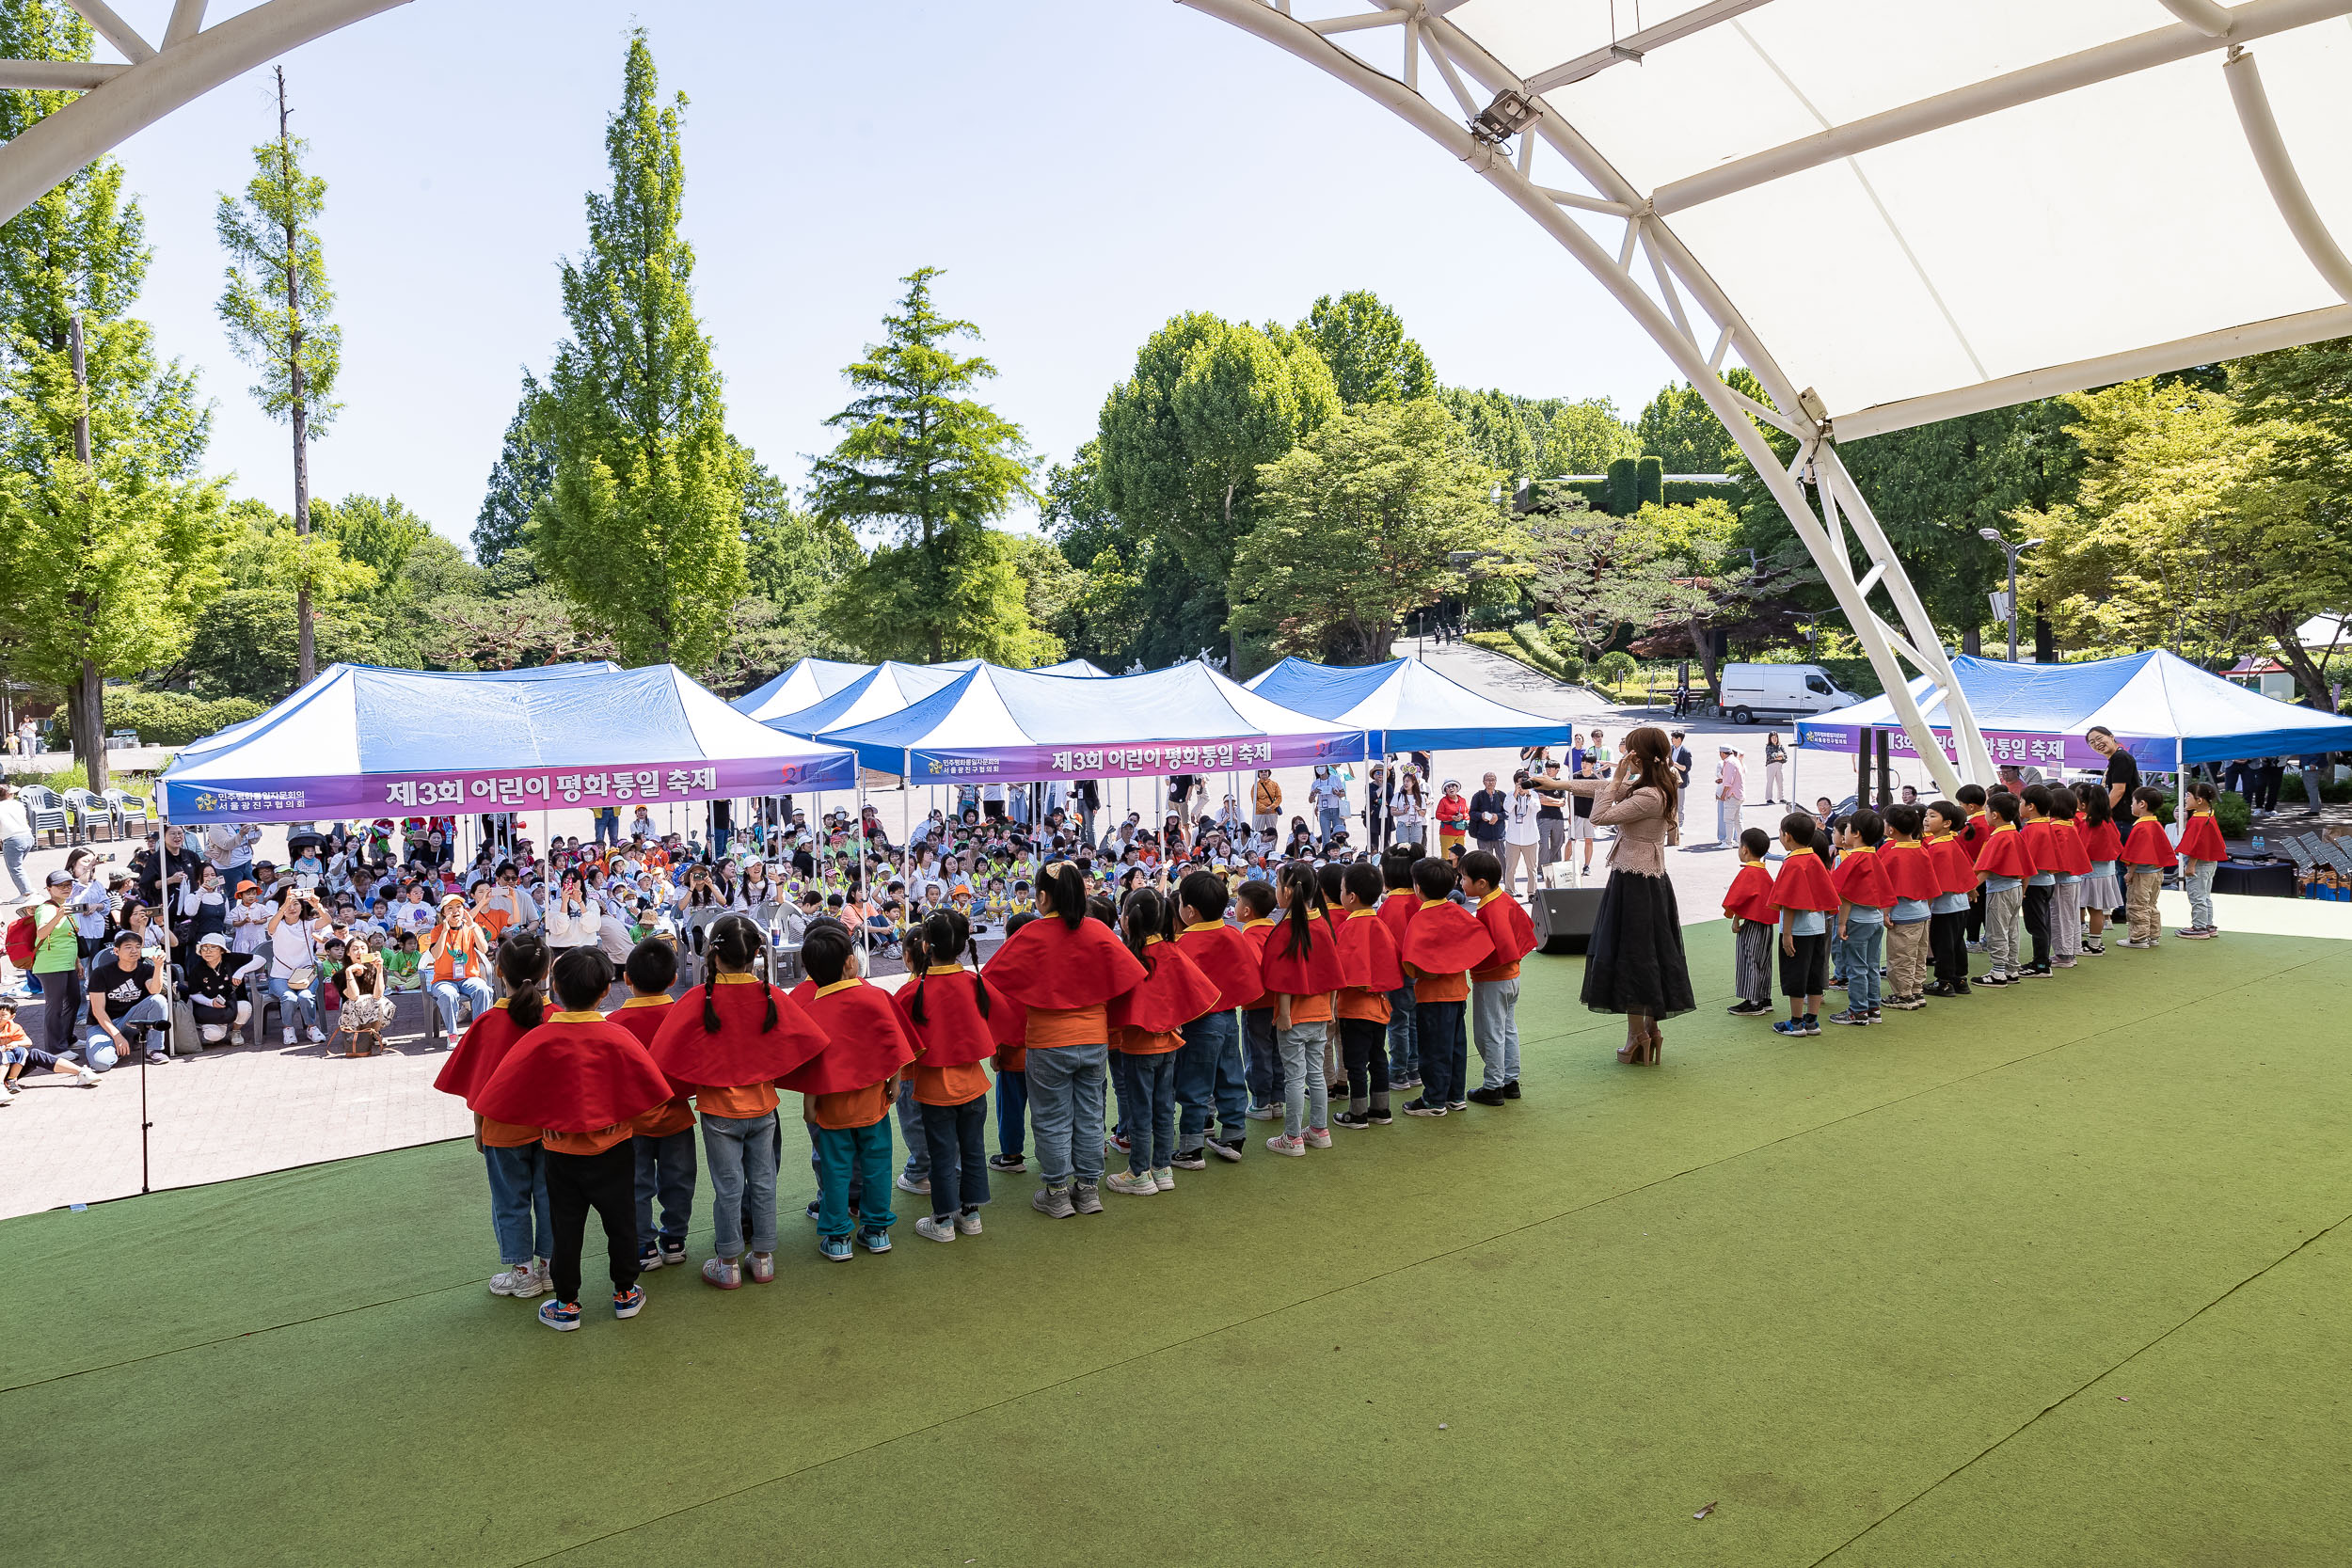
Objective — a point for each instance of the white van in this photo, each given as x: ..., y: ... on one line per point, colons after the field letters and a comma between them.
x: 1753, y: 692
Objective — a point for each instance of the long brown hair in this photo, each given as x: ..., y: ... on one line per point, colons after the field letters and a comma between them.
x: 1646, y: 762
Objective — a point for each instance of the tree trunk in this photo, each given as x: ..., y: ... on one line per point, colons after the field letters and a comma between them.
x: 2044, y: 640
x: 2307, y: 671
x: 305, y: 644
x: 88, y: 701
x: 1972, y: 641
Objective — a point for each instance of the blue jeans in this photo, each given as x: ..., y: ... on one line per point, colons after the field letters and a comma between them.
x: 153, y: 1011
x: 958, y: 1135
x: 608, y: 825
x: 12, y: 851
x: 1146, y: 1105
x: 1012, y: 1114
x: 446, y: 994
x: 1858, y: 955
x: 1066, y: 1083
x: 1210, y: 1084
x: 1305, y: 1098
x: 741, y: 1152
x: 297, y: 1005
x: 666, y: 1170
x: 1333, y: 820
x: 1444, y: 1053
x: 866, y: 1150
x: 919, y: 1166
x: 518, y: 1203
x: 1494, y: 1012
x: 1404, y: 1046
x: 1265, y: 1068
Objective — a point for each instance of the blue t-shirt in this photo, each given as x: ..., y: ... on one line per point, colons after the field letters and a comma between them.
x: 2041, y: 878
x: 1910, y: 912
x: 1949, y: 903
x: 1808, y: 922
x: 1998, y: 884
x: 1865, y: 915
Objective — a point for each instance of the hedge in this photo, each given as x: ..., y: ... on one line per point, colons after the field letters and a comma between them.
x: 164, y: 718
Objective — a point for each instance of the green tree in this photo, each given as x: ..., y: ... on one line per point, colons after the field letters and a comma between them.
x: 1677, y: 428
x: 275, y: 304
x: 935, y: 467
x: 109, y: 541
x: 1180, y: 446
x: 642, y: 528
x: 965, y: 598
x: 1583, y: 437
x: 1598, y: 576
x: 1497, y: 427
x: 1355, y: 526
x: 520, y: 481
x: 1364, y: 342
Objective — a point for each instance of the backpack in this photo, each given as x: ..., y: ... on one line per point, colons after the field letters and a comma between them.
x: 20, y: 947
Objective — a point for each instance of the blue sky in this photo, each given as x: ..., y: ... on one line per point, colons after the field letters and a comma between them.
x: 1082, y: 168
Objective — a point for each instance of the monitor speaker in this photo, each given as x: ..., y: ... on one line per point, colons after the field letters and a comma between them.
x: 1564, y: 918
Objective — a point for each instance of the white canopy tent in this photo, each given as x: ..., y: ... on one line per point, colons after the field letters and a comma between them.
x: 1892, y: 214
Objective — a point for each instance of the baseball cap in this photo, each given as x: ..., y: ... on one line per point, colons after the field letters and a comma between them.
x: 58, y: 877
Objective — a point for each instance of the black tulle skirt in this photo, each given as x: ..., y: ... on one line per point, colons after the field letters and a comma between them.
x: 1634, y: 962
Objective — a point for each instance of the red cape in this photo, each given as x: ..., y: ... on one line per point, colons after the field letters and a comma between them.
x: 1046, y: 964
x: 1910, y: 872
x: 1368, y: 959
x: 1255, y: 936
x: 478, y: 1054
x: 865, y: 1042
x: 1979, y: 829
x: 1804, y: 883
x: 953, y: 1032
x: 1396, y: 913
x: 2005, y: 853
x: 643, y: 1022
x: 2073, y: 858
x: 2041, y: 843
x: 2150, y: 844
x: 1446, y: 939
x: 1750, y: 896
x: 1955, y: 868
x: 741, y: 1052
x: 575, y: 1074
x: 2200, y: 840
x: 2101, y: 842
x: 1308, y: 973
x: 1171, y: 996
x: 1507, y: 927
x: 1229, y: 960
x: 1861, y: 880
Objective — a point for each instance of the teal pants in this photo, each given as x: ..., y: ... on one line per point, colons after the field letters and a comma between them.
x: 868, y: 1152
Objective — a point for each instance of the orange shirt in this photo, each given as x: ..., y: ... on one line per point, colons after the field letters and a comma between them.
x: 944, y: 1085
x: 743, y: 1102
x: 1441, y: 988
x: 495, y: 921
x: 1053, y: 1027
x: 503, y: 1135
x: 1311, y: 1009
x: 1354, y: 1001
x: 1142, y: 1042
x: 851, y: 1108
x: 587, y: 1143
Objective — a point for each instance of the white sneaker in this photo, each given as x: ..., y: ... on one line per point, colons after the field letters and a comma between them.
x: 1164, y: 1179
x: 289, y: 1037
x: 968, y: 1224
x: 1134, y: 1185
x: 522, y: 1282
x: 933, y: 1228
x: 921, y: 1189
x: 84, y: 1076
x: 314, y: 1034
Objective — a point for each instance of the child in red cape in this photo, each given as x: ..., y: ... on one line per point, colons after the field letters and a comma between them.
x: 1254, y: 901
x: 1976, y: 827
x: 666, y: 1166
x: 1211, y: 1081
x: 1806, y: 901
x: 1912, y: 877
x: 957, y: 1022
x: 510, y: 1151
x: 1301, y: 970
x: 2003, y: 865
x: 2103, y: 890
x: 846, y: 1089
x: 1955, y: 871
x: 2202, y: 852
x: 2040, y: 890
x: 2147, y: 854
x: 1065, y: 970
x: 2074, y: 865
x: 585, y: 1082
x: 1444, y: 943
x: 727, y: 1048
x: 1147, y: 1032
x: 1494, y: 984
x: 1864, y: 897
x: 1397, y: 903
x: 1369, y: 963
x: 1748, y: 904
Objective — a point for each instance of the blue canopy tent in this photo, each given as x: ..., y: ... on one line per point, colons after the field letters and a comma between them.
x: 1084, y: 667
x: 881, y: 691
x: 1404, y: 705
x: 2163, y: 710
x: 362, y: 742
x: 807, y: 681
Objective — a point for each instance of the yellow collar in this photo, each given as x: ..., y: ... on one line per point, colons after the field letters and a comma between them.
x: 1794, y: 853
x: 746, y: 979
x: 1432, y: 903
x: 1861, y: 849
x: 936, y: 969
x: 1253, y: 924
x: 1363, y: 914
x: 587, y: 1016
x: 839, y: 985
x: 2006, y: 828
x: 1206, y: 926
x: 1490, y: 898
x: 646, y: 1001
x: 1148, y: 941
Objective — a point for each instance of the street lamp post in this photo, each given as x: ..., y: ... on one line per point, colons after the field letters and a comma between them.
x: 1993, y: 536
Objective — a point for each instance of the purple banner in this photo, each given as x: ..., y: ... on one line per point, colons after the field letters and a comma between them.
x: 370, y: 795
x: 2009, y: 747
x: 1025, y: 764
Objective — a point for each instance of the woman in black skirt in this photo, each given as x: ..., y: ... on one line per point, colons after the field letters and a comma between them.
x: 1635, y: 964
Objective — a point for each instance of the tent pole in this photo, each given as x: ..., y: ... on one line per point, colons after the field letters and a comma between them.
x: 865, y: 952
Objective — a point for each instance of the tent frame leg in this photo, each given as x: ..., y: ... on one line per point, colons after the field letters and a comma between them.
x: 1676, y: 301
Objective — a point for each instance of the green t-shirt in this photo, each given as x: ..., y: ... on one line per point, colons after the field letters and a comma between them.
x: 60, y: 950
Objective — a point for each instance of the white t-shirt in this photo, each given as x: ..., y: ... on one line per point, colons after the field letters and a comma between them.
x: 1518, y: 818
x: 15, y: 821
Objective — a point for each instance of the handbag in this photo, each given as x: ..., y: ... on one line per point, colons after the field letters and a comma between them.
x: 301, y: 978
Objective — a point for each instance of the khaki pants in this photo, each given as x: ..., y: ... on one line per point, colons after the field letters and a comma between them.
x: 1906, y: 959
x: 2139, y: 904
x: 1513, y: 857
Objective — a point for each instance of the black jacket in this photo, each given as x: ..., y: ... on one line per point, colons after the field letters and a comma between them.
x: 1481, y: 804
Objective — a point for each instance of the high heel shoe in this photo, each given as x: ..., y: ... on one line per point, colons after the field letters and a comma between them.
x: 1656, y: 1043
x: 1628, y: 1051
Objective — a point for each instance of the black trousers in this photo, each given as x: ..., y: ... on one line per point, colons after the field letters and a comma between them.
x: 1947, y: 946
x: 958, y: 1138
x: 2037, y: 922
x: 60, y: 1001
x: 1805, y: 972
x: 606, y: 1183
x: 1364, y: 1053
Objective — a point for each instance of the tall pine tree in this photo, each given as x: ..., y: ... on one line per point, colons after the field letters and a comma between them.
x: 276, y: 305
x: 642, y: 527
x: 108, y: 540
x: 523, y: 474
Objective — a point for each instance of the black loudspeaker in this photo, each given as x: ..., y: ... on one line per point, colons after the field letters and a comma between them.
x: 1564, y: 918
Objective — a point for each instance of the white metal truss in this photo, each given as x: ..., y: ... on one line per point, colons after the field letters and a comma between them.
x: 1664, y: 289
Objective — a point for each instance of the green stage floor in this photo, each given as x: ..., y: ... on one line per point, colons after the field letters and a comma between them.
x: 2054, y: 1275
